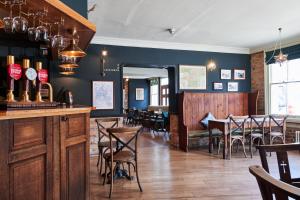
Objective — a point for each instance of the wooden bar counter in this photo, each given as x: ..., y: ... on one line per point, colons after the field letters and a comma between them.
x: 44, y: 154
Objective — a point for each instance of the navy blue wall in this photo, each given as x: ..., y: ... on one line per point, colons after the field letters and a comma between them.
x: 79, y: 6
x: 80, y: 83
x: 138, y: 83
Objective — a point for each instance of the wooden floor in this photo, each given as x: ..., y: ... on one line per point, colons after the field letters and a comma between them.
x: 167, y: 173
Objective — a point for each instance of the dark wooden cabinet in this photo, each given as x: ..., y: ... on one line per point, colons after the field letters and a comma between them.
x: 45, y: 158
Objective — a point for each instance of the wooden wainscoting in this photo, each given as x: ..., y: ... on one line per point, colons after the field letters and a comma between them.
x: 193, y: 107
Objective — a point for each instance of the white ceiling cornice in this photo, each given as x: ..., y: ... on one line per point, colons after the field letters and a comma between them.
x: 270, y: 47
x: 167, y: 45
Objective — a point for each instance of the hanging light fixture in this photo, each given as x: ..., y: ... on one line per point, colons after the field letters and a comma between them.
x: 73, y: 50
x: 68, y: 62
x: 211, y: 66
x: 280, y: 58
x: 67, y: 71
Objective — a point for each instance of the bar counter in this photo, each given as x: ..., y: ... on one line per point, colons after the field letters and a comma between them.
x: 44, y: 154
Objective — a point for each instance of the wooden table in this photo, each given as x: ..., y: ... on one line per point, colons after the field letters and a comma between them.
x: 223, y: 126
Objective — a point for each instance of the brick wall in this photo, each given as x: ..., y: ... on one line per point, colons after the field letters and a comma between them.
x: 257, y: 78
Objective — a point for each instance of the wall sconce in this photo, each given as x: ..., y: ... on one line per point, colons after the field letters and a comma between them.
x: 104, y: 54
x: 211, y: 65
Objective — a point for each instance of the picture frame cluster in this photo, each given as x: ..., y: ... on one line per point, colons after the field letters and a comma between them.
x: 226, y: 74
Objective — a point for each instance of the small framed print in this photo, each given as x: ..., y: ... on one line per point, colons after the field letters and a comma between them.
x: 139, y: 94
x: 239, y: 74
x: 218, y: 86
x: 225, y: 74
x: 233, y: 87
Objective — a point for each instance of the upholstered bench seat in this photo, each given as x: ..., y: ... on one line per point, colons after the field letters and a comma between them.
x: 203, y: 133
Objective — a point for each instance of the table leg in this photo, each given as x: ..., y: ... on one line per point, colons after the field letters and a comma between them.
x: 225, y: 149
x: 210, y: 141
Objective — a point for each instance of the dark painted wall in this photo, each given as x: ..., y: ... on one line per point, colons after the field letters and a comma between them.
x: 79, y: 6
x: 138, y: 83
x: 80, y: 83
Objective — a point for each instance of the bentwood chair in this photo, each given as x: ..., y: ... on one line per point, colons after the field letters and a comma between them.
x: 125, y: 153
x: 257, y: 127
x: 271, y: 187
x: 237, y: 132
x: 277, y: 127
x: 103, y: 141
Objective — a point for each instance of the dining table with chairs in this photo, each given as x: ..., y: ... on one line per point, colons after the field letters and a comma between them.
x: 239, y: 129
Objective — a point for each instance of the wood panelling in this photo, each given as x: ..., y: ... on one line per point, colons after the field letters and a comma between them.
x: 196, y: 105
x: 27, y: 132
x: 193, y: 107
x: 28, y: 179
x: 74, y: 149
x: 76, y: 163
x: 76, y: 125
x: 38, y: 161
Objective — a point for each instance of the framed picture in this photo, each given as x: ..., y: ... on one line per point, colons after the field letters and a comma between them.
x: 239, y: 74
x: 192, y: 77
x: 218, y: 86
x: 103, y: 95
x: 139, y: 94
x: 225, y: 74
x: 233, y: 86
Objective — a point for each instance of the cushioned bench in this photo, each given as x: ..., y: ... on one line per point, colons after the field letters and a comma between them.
x: 203, y: 133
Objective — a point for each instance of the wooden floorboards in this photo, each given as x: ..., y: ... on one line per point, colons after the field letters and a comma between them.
x: 168, y: 173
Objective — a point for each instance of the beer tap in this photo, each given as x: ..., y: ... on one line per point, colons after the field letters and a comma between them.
x: 14, y: 72
x: 29, y: 74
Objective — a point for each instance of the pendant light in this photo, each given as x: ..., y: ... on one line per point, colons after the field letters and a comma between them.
x: 280, y: 58
x: 73, y: 50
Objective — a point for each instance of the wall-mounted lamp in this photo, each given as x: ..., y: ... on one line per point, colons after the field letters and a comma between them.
x: 104, y: 55
x: 127, y: 79
x: 211, y: 65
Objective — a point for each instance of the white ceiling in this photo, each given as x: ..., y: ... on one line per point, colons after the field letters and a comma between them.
x: 213, y: 25
x: 144, y: 73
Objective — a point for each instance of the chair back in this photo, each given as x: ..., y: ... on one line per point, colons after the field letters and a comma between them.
x: 281, y: 151
x: 258, y: 122
x: 278, y: 122
x: 268, y: 186
x: 126, y: 138
x: 238, y: 124
x: 102, y: 126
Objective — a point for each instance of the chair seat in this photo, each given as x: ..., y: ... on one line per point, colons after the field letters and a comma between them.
x: 257, y: 135
x: 236, y: 136
x: 204, y: 133
x: 122, y: 156
x: 276, y: 134
x: 106, y: 144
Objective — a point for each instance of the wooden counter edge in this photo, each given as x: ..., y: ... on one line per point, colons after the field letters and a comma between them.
x: 18, y: 114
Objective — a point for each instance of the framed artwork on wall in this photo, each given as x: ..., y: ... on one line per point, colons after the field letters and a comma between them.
x: 233, y: 87
x: 139, y: 94
x: 225, y: 74
x: 103, y: 95
x: 239, y: 74
x: 217, y: 86
x: 192, y: 77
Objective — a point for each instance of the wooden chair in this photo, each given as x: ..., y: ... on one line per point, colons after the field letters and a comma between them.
x: 237, y: 132
x: 282, y: 160
x: 126, y: 152
x: 268, y: 186
x: 103, y: 144
x: 277, y: 127
x: 257, y: 127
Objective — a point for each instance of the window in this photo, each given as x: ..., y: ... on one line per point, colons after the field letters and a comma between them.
x: 154, y: 95
x: 284, y: 88
x: 164, y: 91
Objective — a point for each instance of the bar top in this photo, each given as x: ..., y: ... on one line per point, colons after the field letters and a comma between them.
x: 18, y: 114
